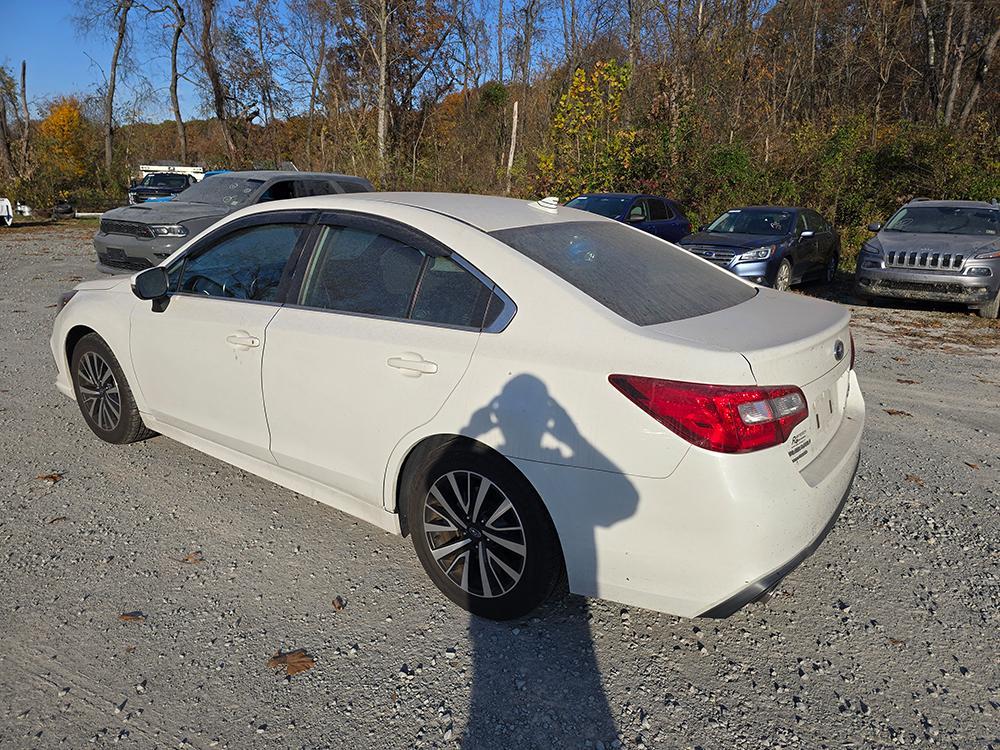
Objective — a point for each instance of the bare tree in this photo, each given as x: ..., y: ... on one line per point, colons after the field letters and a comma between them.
x: 179, y: 22
x: 210, y: 64
x: 121, y: 11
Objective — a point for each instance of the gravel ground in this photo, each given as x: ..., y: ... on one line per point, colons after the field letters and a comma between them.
x: 882, y: 638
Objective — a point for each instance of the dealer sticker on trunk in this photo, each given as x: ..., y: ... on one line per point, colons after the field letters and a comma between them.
x: 800, y: 446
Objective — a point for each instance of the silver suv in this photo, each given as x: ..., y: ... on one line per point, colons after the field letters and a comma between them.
x: 132, y: 238
x: 935, y: 250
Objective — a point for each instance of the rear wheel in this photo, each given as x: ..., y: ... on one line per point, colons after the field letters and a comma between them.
x: 783, y: 279
x: 482, y: 533
x: 992, y: 310
x: 103, y: 394
x: 830, y: 273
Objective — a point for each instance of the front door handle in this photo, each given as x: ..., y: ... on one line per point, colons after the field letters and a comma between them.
x: 242, y: 340
x: 412, y: 364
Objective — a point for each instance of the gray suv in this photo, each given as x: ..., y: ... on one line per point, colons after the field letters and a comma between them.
x: 132, y: 238
x: 935, y: 250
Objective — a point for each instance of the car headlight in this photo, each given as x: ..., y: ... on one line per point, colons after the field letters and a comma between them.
x: 867, y: 249
x: 169, y: 230
x: 758, y: 253
x: 989, y: 255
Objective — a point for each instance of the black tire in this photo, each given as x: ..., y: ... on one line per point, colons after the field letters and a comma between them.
x: 103, y: 393
x: 830, y: 272
x: 484, y: 541
x: 784, y: 272
x: 992, y: 310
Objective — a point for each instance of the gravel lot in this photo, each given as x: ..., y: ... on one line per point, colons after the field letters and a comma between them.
x: 886, y: 636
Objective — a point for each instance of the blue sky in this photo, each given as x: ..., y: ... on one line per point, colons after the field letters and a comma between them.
x: 59, y: 58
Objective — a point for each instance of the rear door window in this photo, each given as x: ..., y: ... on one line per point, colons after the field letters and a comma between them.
x: 307, y: 188
x: 450, y: 295
x: 657, y: 211
x: 635, y: 275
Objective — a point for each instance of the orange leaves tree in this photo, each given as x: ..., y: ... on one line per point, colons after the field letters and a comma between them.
x: 63, y: 137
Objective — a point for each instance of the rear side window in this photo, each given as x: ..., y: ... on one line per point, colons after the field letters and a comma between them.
x: 642, y: 279
x: 450, y: 295
x: 349, y: 186
x: 307, y: 188
x: 657, y: 211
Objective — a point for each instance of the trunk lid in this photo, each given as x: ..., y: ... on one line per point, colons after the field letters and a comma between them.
x: 787, y: 339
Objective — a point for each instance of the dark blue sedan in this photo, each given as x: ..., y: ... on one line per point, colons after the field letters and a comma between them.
x: 775, y: 246
x: 659, y: 216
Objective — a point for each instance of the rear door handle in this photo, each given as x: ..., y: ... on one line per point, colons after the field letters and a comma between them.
x: 242, y: 339
x: 412, y: 364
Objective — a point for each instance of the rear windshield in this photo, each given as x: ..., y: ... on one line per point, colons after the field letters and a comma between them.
x: 633, y: 274
x: 165, y: 180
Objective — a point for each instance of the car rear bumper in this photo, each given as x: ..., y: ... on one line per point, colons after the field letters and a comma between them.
x: 713, y: 536
x: 121, y: 253
x: 936, y: 286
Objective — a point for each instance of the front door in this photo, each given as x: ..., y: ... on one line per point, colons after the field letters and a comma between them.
x: 383, y: 331
x: 198, y: 361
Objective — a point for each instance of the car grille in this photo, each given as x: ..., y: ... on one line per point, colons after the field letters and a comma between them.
x: 115, y: 257
x: 718, y: 255
x: 934, y: 261
x: 131, y: 228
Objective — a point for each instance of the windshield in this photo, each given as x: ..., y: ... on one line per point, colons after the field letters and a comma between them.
x: 945, y: 220
x: 753, y: 221
x: 640, y: 277
x: 611, y: 206
x: 222, y: 190
x: 172, y: 181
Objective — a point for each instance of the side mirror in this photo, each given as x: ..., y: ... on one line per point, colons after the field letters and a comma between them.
x: 702, y: 227
x: 151, y: 283
x: 806, y: 234
x: 874, y: 226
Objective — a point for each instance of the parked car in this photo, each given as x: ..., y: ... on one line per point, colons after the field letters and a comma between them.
x: 6, y: 213
x: 159, y: 185
x: 523, y: 390
x: 174, y: 195
x: 775, y: 246
x: 132, y: 238
x: 935, y: 250
x: 658, y: 216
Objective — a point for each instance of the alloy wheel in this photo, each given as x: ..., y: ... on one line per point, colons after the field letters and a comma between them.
x: 99, y: 394
x: 784, y: 278
x: 474, y: 534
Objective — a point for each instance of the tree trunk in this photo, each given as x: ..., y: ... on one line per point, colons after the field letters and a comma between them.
x: 500, y: 41
x: 383, y: 85
x: 513, y: 146
x: 124, y: 6
x: 5, y: 152
x: 985, y: 58
x: 25, y: 119
x: 956, y: 71
x: 317, y: 74
x: 214, y: 76
x: 179, y: 22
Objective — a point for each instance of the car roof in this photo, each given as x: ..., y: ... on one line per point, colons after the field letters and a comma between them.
x: 951, y: 204
x: 768, y: 208
x: 268, y: 174
x: 489, y: 213
x: 623, y: 195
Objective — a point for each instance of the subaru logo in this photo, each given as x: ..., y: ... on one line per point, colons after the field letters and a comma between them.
x: 709, y: 254
x: 838, y: 350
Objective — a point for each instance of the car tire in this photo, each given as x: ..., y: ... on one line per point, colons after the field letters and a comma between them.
x: 830, y: 272
x: 992, y: 310
x: 783, y: 278
x: 6, y: 220
x: 103, y: 394
x: 493, y: 551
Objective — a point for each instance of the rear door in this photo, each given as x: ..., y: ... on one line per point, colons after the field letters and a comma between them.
x: 806, y: 248
x: 382, y: 329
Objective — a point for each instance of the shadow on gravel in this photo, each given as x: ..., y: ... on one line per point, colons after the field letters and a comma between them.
x: 539, y: 686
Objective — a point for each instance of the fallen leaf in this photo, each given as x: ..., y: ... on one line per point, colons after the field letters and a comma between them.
x: 915, y: 479
x: 193, y: 558
x: 907, y: 382
x: 897, y: 642
x: 293, y: 662
x: 339, y: 603
x: 897, y: 413
x: 971, y: 466
x: 130, y: 649
x: 58, y: 519
x: 50, y: 478
x: 136, y: 616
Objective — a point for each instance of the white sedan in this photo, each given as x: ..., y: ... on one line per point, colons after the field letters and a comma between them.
x: 527, y: 391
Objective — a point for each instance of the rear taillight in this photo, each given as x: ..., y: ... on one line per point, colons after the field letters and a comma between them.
x: 851, y: 334
x: 724, y: 418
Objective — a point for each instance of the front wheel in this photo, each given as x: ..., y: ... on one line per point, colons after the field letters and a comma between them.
x: 103, y: 394
x: 783, y: 279
x: 992, y: 310
x: 830, y: 273
x: 482, y: 533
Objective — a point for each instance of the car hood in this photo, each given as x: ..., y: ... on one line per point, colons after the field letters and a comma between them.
x: 103, y: 283
x: 935, y: 242
x: 172, y: 212
x: 732, y: 239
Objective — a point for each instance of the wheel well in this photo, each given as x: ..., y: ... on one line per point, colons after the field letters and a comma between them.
x: 73, y: 338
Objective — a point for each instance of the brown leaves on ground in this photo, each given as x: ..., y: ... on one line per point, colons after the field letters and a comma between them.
x: 971, y: 466
x: 192, y: 558
x: 338, y: 603
x: 292, y: 662
x: 915, y: 479
x: 58, y: 519
x: 904, y: 381
x: 136, y: 616
x: 897, y: 643
x: 49, y: 478
x: 897, y: 413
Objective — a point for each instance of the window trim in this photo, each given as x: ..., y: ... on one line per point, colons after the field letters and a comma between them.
x: 406, y: 234
x: 305, y: 219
